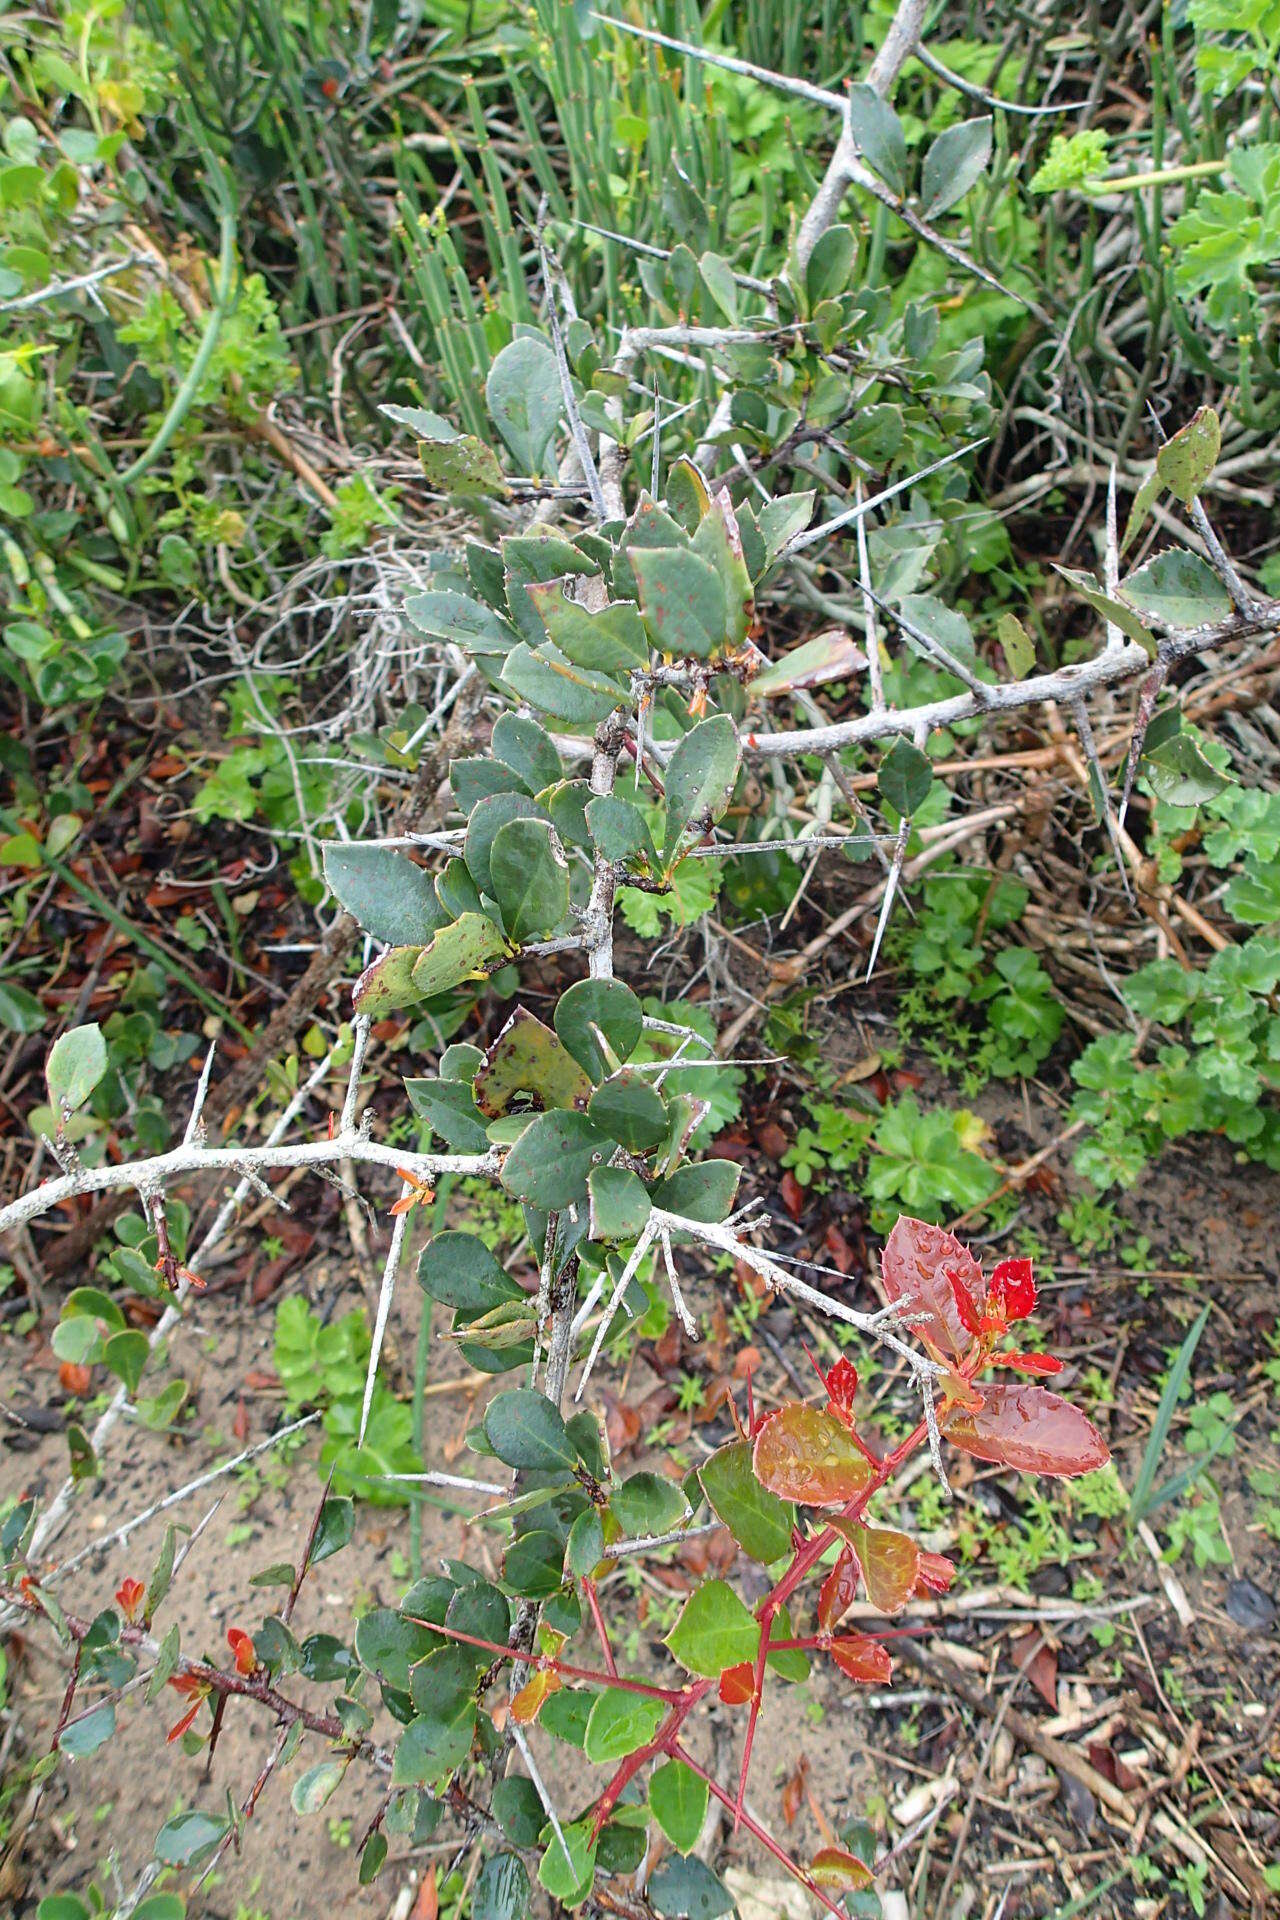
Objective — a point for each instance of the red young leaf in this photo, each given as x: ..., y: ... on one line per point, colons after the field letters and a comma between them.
x: 803, y: 1453
x: 863, y: 1659
x: 1031, y: 1429
x: 842, y: 1383
x: 242, y: 1650
x: 921, y: 1268
x: 130, y: 1595
x: 839, y: 1591
x: 1014, y: 1283
x: 965, y: 1308
x: 935, y: 1573
x: 1033, y: 1656
x: 1028, y: 1362
x: 837, y: 1867
x: 890, y: 1563
x: 738, y: 1684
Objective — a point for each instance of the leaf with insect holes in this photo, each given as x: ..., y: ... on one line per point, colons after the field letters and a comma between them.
x: 610, y: 639
x: 620, y: 1722
x: 525, y: 400
x: 955, y: 161
x: 805, y: 1454
x: 889, y: 1560
x: 682, y: 601
x: 1179, y: 589
x: 1029, y: 1428
x: 1178, y: 772
x: 620, y: 1204
x: 470, y: 949
x: 906, y: 776
x: 463, y: 466
x: 526, y: 1430
x: 678, y: 1801
x: 1019, y: 647
x: 759, y: 1522
x: 1188, y: 457
x: 548, y: 1165
x: 715, y: 1630
x: 915, y: 1265
x: 528, y: 1058
x: 700, y: 778
x: 77, y: 1061
x: 594, y: 1011
x: 530, y: 876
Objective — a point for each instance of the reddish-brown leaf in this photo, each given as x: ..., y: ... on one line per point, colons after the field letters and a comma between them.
x: 863, y: 1659
x: 1013, y: 1281
x: 792, y: 1194
x: 838, y: 1250
x: 793, y: 1792
x: 1033, y: 1656
x: 427, y: 1904
x: 921, y: 1267
x: 890, y: 1563
x: 1031, y: 1429
x: 839, y: 1591
x: 803, y: 1453
x: 1041, y: 1363
x: 837, y: 1867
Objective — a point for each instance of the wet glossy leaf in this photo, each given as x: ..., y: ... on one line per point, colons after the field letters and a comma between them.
x: 915, y: 1265
x: 502, y: 1889
x: 526, y: 1430
x: 528, y: 1058
x: 619, y: 1723
x: 678, y: 1799
x: 530, y: 877
x: 890, y: 1563
x: 714, y: 1631
x: 620, y: 1204
x: 592, y: 1010
x: 1029, y: 1428
x: 759, y: 1522
x: 838, y: 1591
x: 863, y: 1659
x: 548, y: 1165
x: 805, y: 1454
x: 700, y: 778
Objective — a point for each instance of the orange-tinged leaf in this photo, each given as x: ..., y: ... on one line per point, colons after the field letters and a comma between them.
x: 794, y: 1791
x: 839, y: 1591
x: 935, y: 1574
x: 427, y: 1904
x: 922, y: 1267
x: 527, y: 1704
x: 804, y: 1453
x: 837, y: 1867
x: 890, y: 1563
x: 1029, y: 1428
x: 1043, y: 1363
x: 863, y: 1659
x: 738, y: 1684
